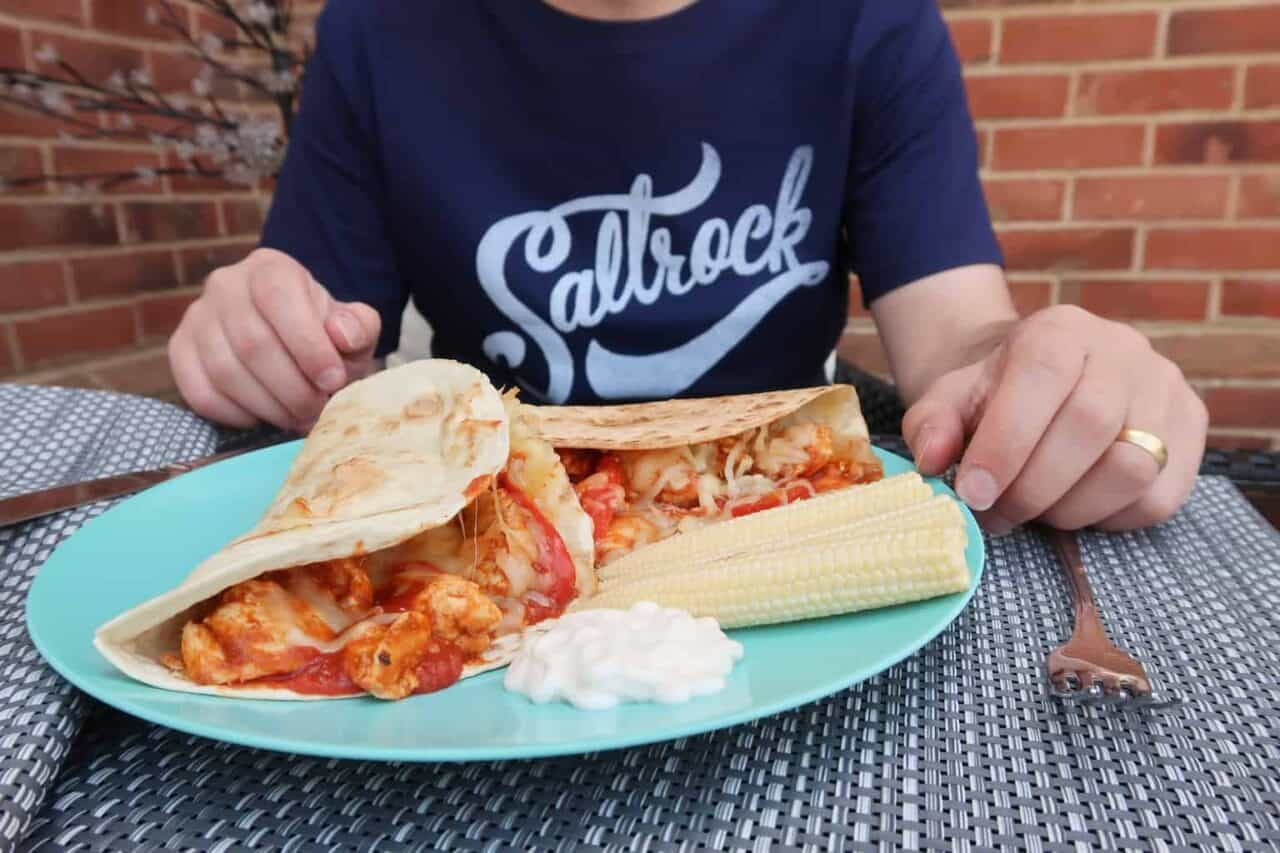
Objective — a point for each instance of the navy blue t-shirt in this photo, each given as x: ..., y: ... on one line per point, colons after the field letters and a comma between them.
x: 608, y: 211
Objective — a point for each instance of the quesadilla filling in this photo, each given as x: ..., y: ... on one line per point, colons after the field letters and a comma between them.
x: 405, y: 620
x: 635, y: 497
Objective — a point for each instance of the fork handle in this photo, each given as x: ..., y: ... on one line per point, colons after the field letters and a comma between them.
x: 1088, y: 622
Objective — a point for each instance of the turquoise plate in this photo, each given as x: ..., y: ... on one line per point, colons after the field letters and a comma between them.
x: 148, y: 543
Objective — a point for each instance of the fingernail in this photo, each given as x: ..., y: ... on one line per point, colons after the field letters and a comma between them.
x: 924, y: 438
x: 978, y: 489
x: 351, y: 330
x: 331, y: 379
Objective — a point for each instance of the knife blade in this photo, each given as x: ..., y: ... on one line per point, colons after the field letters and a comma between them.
x: 43, y: 502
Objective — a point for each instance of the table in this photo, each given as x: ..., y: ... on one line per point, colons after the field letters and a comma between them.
x: 955, y: 748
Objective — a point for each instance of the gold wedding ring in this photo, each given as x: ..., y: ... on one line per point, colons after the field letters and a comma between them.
x: 1147, y: 442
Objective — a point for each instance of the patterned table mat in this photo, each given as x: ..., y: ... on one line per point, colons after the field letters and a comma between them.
x: 956, y: 748
x: 50, y: 436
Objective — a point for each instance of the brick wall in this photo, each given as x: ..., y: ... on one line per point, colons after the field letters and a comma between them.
x: 1130, y: 150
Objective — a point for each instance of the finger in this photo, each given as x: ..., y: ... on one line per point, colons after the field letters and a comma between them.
x: 935, y: 425
x: 197, y: 389
x: 1040, y: 369
x: 233, y: 380
x: 260, y: 350
x: 1185, y: 438
x: 1079, y: 436
x: 354, y: 328
x: 282, y: 298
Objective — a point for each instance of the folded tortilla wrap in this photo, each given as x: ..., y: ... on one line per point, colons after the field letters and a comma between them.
x: 648, y: 471
x: 392, y: 456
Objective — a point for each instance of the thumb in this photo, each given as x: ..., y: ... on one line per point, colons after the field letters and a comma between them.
x: 354, y: 328
x: 936, y: 426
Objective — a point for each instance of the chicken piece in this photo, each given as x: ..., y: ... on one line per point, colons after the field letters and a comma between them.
x: 796, y: 451
x: 459, y: 612
x: 667, y: 476
x: 247, y: 635
x: 625, y: 534
x: 346, y: 581
x: 384, y: 659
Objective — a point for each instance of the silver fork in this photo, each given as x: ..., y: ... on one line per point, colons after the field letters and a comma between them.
x: 1089, y: 668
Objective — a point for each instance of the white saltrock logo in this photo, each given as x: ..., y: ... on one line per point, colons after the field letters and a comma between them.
x: 761, y: 239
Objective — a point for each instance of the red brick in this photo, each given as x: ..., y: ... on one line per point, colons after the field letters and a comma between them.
x: 129, y: 18
x: 984, y: 146
x: 33, y: 284
x: 53, y: 10
x: 1243, y: 29
x: 856, y: 308
x: 1231, y: 354
x: 1232, y: 441
x: 28, y: 226
x: 198, y: 263
x: 242, y: 216
x: 11, y: 51
x: 1259, y: 196
x: 1152, y: 91
x: 972, y: 38
x: 1068, y: 249
x: 1218, y: 142
x: 1243, y: 407
x: 148, y: 374
x: 75, y: 333
x: 1030, y: 295
x: 93, y: 58
x: 1013, y: 199
x: 161, y: 314
x: 7, y: 365
x: 112, y: 276
x: 862, y: 349
x: 1017, y: 95
x: 1068, y: 147
x: 1213, y: 248
x: 19, y: 121
x: 174, y: 73
x: 1152, y: 197
x: 1262, y: 86
x: 1251, y: 298
x: 109, y: 161
x: 205, y: 22
x: 1122, y: 299
x: 154, y: 221
x: 18, y: 162
x: 1077, y: 38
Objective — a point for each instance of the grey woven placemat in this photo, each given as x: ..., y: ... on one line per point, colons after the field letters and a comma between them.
x: 50, y: 436
x: 955, y: 748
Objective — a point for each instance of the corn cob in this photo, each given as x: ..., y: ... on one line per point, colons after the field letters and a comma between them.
x: 937, y: 511
x: 784, y: 585
x: 784, y: 523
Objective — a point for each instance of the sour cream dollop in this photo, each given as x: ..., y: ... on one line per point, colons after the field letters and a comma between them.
x: 598, y: 659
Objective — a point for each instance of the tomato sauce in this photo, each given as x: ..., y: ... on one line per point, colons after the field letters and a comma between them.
x: 441, y: 668
x: 323, y: 676
x: 553, y: 558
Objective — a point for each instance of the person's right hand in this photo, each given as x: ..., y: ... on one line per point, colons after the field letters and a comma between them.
x: 265, y: 342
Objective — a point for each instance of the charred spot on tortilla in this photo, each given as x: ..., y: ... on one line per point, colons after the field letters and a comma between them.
x: 426, y: 406
x: 348, y: 479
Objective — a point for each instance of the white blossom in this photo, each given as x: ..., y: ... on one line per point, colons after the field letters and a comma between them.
x: 185, y: 150
x: 125, y: 121
x: 258, y: 144
x: 278, y: 82
x: 116, y: 80
x: 200, y: 86
x: 207, y: 136
x: 179, y: 102
x: 240, y: 173
x: 158, y: 139
x: 48, y: 54
x: 210, y: 43
x: 140, y: 77
x: 53, y: 100
x: 146, y: 174
x: 21, y: 91
x: 259, y: 13
x: 153, y: 15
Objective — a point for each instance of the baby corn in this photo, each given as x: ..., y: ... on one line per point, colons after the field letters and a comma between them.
x: 862, y: 572
x: 784, y: 524
x: 936, y: 512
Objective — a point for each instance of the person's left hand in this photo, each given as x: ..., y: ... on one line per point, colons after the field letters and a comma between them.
x: 1034, y: 427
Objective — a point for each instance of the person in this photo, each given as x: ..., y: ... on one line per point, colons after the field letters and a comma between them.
x: 615, y: 200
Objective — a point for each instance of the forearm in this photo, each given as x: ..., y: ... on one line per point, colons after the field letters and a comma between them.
x: 941, y: 323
